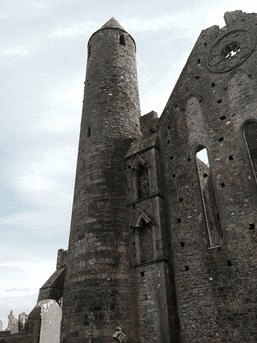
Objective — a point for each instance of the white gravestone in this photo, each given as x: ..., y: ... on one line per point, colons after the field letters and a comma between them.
x: 12, y: 324
x: 14, y: 327
x: 22, y: 321
x: 51, y: 315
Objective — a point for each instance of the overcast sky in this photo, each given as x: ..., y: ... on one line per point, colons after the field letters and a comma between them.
x: 42, y: 68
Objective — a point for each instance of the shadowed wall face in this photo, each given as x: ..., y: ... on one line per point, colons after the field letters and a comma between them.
x: 212, y: 211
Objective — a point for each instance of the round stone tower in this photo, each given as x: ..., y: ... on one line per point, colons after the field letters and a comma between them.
x: 98, y: 295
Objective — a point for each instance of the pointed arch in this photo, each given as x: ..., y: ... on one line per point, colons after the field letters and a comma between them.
x: 139, y: 161
x: 240, y: 90
x: 141, y: 218
x: 195, y: 120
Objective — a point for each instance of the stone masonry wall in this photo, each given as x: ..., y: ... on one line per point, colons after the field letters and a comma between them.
x: 148, y: 238
x: 212, y: 101
x: 98, y: 292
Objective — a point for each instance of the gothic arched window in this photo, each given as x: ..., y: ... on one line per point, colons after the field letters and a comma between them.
x: 250, y: 136
x: 143, y: 189
x: 208, y: 198
x: 145, y: 241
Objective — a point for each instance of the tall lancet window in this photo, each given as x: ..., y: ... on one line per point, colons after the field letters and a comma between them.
x: 211, y: 214
x: 142, y: 182
x: 146, y: 242
x: 250, y: 136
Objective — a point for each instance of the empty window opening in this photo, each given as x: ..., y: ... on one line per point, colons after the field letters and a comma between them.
x: 230, y: 50
x: 180, y: 199
x: 176, y: 107
x: 205, y: 43
x: 208, y: 198
x: 222, y: 117
x: 221, y: 139
x: 142, y: 182
x: 182, y: 244
x: 171, y: 157
x: 168, y: 141
x: 122, y: 40
x: 250, y: 137
x: 89, y: 131
x: 222, y: 184
x: 219, y: 101
x: 189, y: 158
x: 168, y: 127
x: 229, y: 263
x: 129, y: 167
x: 186, y: 268
x: 142, y: 274
x: 198, y: 61
x: 250, y: 75
x: 197, y: 77
x: 213, y: 84
x: 174, y: 175
x: 178, y: 220
x: 231, y: 158
x: 145, y: 232
x: 203, y: 156
x: 251, y: 226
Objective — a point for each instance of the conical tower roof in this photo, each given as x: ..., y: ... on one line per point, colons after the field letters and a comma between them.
x: 112, y: 23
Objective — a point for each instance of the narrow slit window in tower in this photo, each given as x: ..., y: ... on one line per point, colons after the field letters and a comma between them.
x: 122, y: 40
x: 250, y: 136
x: 208, y: 198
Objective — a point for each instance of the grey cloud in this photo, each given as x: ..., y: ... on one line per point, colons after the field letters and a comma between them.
x: 15, y: 290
